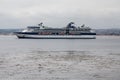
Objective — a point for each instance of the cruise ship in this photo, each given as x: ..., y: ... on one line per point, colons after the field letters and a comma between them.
x: 69, y: 32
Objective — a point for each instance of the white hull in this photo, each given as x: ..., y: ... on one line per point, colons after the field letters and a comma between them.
x: 56, y: 36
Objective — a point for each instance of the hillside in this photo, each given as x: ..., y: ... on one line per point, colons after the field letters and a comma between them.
x: 98, y: 31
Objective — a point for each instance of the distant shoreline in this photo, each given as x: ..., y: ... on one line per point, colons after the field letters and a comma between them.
x: 99, y: 32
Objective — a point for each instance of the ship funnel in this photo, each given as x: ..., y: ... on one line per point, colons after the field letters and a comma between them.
x: 70, y: 25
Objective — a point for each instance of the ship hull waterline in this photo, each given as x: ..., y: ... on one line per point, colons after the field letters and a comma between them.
x: 22, y: 36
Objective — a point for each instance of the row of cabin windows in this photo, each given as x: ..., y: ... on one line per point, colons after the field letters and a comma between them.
x: 52, y: 33
x: 56, y: 33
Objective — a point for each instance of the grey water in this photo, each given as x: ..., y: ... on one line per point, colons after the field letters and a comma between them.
x: 11, y: 44
x: 48, y: 59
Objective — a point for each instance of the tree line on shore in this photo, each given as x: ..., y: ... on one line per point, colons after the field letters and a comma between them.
x: 98, y: 31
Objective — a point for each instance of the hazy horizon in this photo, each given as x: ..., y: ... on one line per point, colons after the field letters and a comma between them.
x: 58, y: 13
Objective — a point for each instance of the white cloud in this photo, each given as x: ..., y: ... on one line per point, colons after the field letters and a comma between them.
x: 96, y: 13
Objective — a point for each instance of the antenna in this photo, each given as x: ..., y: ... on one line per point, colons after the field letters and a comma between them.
x: 40, y: 24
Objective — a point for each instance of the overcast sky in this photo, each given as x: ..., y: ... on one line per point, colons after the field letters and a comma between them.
x: 57, y: 13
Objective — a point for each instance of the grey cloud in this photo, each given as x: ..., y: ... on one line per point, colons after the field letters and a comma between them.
x: 57, y: 13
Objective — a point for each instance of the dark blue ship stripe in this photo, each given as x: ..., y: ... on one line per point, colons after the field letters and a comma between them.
x: 53, y: 38
x: 36, y: 33
x: 30, y: 33
x: 88, y: 33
